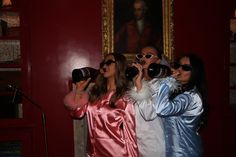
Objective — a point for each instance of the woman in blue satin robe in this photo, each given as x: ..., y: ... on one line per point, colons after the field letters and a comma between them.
x: 181, y: 102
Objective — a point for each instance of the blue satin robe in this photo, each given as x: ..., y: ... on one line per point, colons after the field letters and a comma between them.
x: 181, y: 117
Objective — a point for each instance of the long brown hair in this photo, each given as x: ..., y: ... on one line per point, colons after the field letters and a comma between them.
x: 120, y: 80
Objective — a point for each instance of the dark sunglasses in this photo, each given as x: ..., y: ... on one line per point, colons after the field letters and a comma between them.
x: 185, y: 67
x: 107, y: 63
x: 147, y: 56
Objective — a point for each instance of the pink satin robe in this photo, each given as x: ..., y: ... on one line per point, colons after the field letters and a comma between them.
x: 111, y: 130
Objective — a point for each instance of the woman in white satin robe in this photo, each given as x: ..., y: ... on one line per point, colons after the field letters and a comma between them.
x: 182, y: 103
x: 110, y: 113
x: 150, y: 133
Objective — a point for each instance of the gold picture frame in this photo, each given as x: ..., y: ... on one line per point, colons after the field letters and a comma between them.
x: 108, y: 29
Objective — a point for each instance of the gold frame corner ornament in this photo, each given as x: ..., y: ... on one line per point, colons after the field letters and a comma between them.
x: 107, y: 27
x: 108, y: 31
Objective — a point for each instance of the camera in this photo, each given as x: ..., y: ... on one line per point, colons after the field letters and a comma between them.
x: 154, y: 71
x: 84, y: 73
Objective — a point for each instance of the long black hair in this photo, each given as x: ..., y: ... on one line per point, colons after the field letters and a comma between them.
x: 198, y: 80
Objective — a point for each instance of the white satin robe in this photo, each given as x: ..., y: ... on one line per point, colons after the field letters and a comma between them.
x: 150, y: 131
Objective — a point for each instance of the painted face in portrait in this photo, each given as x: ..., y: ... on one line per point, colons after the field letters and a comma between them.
x: 139, y: 10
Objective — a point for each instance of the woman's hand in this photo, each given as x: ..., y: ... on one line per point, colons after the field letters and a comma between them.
x: 81, y: 85
x: 138, y: 78
x: 174, y: 73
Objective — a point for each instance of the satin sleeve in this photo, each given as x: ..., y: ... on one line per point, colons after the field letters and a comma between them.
x: 145, y: 106
x: 147, y: 110
x: 76, y: 107
x: 143, y: 100
x: 170, y: 107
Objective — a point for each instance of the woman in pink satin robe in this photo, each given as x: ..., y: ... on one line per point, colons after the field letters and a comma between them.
x: 110, y: 113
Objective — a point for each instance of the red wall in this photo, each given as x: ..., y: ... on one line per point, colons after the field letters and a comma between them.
x: 63, y: 35
x: 203, y: 27
x: 66, y: 34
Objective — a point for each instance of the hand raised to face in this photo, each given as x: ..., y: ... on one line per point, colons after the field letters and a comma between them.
x: 81, y: 85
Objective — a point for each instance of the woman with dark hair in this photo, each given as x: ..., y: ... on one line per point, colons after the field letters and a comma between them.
x: 182, y: 103
x: 150, y: 134
x: 110, y: 113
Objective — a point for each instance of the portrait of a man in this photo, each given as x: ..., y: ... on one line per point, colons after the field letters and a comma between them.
x: 137, y: 23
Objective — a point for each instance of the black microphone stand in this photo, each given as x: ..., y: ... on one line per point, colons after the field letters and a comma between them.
x: 17, y: 90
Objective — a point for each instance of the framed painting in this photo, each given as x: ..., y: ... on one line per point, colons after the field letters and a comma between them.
x: 129, y: 25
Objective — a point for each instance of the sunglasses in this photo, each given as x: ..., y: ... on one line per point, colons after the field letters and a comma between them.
x: 147, y: 56
x: 107, y: 63
x: 185, y: 67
